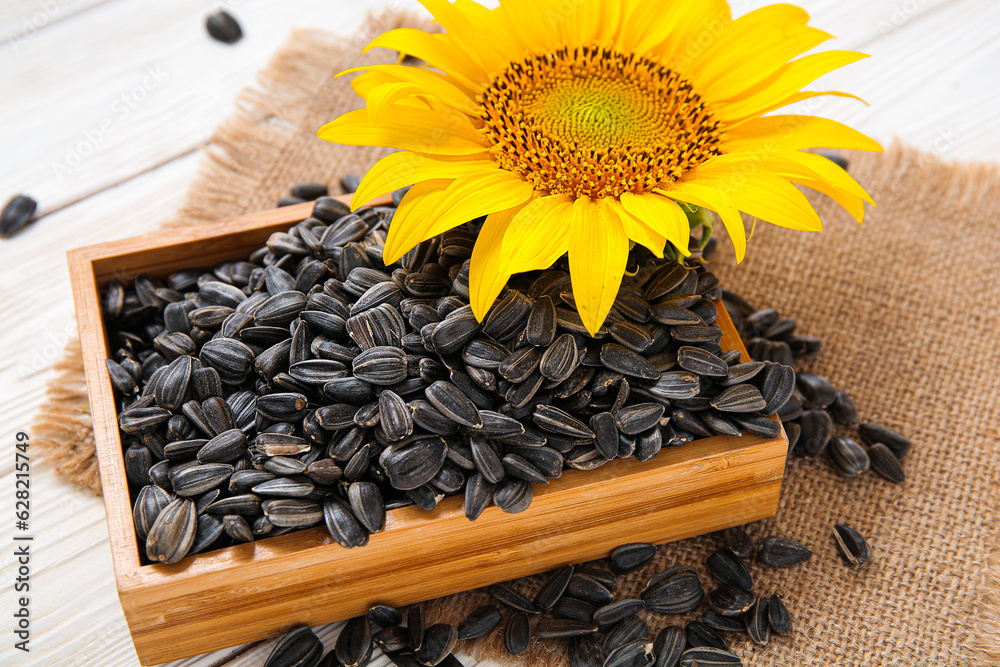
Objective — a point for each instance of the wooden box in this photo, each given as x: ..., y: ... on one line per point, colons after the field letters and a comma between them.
x: 252, y: 591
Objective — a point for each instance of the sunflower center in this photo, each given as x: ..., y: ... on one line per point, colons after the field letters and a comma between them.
x: 594, y: 122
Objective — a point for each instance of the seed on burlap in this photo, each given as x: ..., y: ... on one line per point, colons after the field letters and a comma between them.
x: 600, y: 572
x: 777, y: 616
x: 631, y: 557
x: 615, y: 612
x: 668, y: 646
x: 730, y: 569
x: 636, y: 653
x: 173, y: 532
x: 510, y: 597
x: 885, y: 463
x: 873, y: 433
x: 579, y: 610
x: 561, y: 628
x: 738, y: 541
x: 585, y: 651
x: 354, y: 644
x: 479, y: 622
x: 588, y: 589
x: 852, y: 545
x: 706, y: 656
x: 717, y: 621
x: 848, y: 457
x: 624, y: 633
x: 676, y: 590
x: 298, y: 648
x: 730, y: 601
x: 517, y: 634
x: 816, y: 431
x: 816, y: 389
x: 782, y: 552
x: 757, y: 622
x: 342, y: 525
x: 701, y: 634
x: 843, y: 410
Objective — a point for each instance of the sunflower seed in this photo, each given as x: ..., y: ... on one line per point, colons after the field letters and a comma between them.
x: 391, y: 638
x: 354, y: 645
x: 873, y: 434
x: 395, y: 416
x: 478, y: 496
x: 197, y: 479
x: 614, y: 612
x: 149, y: 502
x: 517, y: 634
x: 246, y: 504
x: 223, y: 448
x: 730, y: 601
x: 452, y: 334
x: 561, y: 628
x: 299, y: 648
x: 730, y: 569
x: 292, y: 512
x: 777, y: 616
x: 676, y: 590
x: 675, y: 385
x: 640, y: 417
x: 852, y: 545
x: 284, y: 487
x: 706, y: 656
x: 816, y: 389
x: 513, y: 495
x: 843, y: 410
x: 413, y: 462
x: 622, y: 360
x: 439, y: 640
x: 223, y: 27
x: 579, y: 610
x: 508, y: 596
x: 173, y: 532
x: 781, y: 552
x: 368, y: 505
x: 701, y: 362
x: 230, y: 358
x: 717, y: 621
x: 479, y: 622
x: 452, y: 403
x: 739, y: 398
x: 636, y: 653
x: 631, y: 557
x: 667, y: 278
x: 624, y: 633
x: 702, y: 634
x: 520, y: 364
x: 885, y: 463
x: 385, y: 616
x: 585, y: 651
x: 381, y: 365
x: 553, y: 589
x: 756, y: 622
x: 542, y: 320
x: 507, y: 316
x: 121, y: 380
x: 558, y: 421
x: 588, y: 589
x: 344, y: 528
x: 668, y: 646
x: 848, y: 457
x: 816, y: 432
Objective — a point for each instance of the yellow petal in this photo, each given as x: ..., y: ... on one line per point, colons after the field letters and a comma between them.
x: 464, y: 199
x: 791, y: 99
x: 444, y: 88
x: 662, y: 215
x: 535, y: 22
x: 789, y: 80
x: 383, y: 97
x: 489, y: 269
x: 637, y: 230
x: 440, y: 51
x: 696, y: 24
x: 398, y: 170
x: 598, y: 255
x: 539, y: 234
x: 467, y: 23
x: 791, y: 132
x: 419, y: 130
x: 755, y: 190
x: 704, y: 195
x: 819, y: 173
x: 422, y: 197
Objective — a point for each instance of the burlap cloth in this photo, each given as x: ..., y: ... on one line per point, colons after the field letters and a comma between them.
x: 908, y: 308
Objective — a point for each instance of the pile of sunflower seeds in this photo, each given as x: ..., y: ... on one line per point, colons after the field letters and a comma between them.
x: 313, y: 384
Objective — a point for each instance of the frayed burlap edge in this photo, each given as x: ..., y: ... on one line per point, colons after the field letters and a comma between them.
x: 247, y: 166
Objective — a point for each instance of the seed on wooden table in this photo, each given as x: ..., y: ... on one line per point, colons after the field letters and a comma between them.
x: 631, y: 557
x: 585, y: 651
x: 730, y: 569
x: 552, y: 590
x: 816, y: 431
x: 782, y: 552
x: 517, y: 634
x: 873, y: 433
x: 479, y: 622
x: 439, y: 640
x: 852, y: 545
x: 354, y: 645
x: 223, y: 27
x: 730, y: 601
x: 668, y: 646
x: 757, y: 623
x: 885, y: 463
x: 702, y: 634
x: 615, y: 612
x: 16, y: 214
x: 816, y: 389
x: 777, y: 616
x: 510, y: 597
x: 173, y: 532
x: 299, y: 648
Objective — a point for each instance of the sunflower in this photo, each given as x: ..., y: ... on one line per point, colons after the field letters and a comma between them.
x: 585, y: 127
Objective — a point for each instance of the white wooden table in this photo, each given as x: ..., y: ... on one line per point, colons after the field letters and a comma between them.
x: 104, y: 107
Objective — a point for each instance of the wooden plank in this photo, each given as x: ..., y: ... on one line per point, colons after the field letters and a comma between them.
x: 22, y: 20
